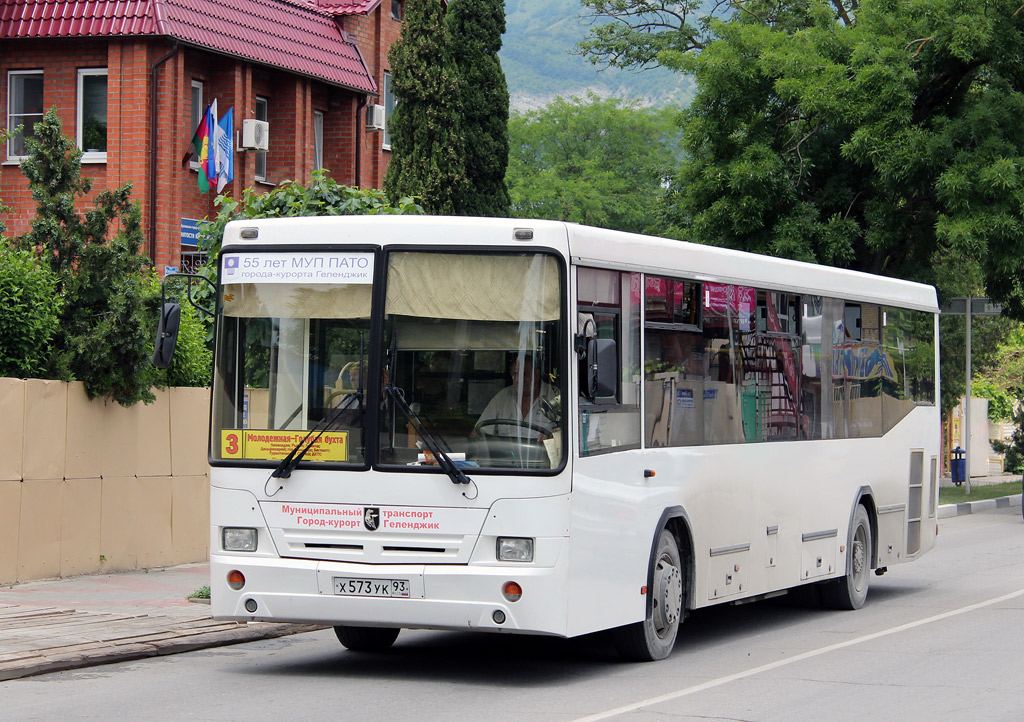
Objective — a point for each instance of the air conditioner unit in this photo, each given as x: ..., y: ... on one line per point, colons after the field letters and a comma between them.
x: 375, y: 117
x: 255, y: 134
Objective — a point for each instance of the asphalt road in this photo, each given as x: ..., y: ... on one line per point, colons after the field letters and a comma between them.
x: 941, y: 638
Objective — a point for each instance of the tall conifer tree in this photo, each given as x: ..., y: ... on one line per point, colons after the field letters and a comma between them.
x: 427, y: 141
x: 475, y: 28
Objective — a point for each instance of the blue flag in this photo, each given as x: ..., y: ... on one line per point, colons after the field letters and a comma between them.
x: 223, y: 156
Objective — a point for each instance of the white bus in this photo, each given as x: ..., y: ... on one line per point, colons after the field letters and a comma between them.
x: 544, y: 428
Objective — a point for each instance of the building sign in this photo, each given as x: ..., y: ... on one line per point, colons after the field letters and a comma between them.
x: 190, y: 231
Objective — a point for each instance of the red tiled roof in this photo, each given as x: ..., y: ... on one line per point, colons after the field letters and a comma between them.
x: 295, y: 35
x: 347, y: 7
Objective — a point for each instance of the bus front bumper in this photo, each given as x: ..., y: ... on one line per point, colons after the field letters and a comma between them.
x: 454, y: 597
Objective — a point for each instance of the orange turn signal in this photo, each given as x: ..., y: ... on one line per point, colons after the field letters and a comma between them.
x: 512, y: 591
x: 236, y: 580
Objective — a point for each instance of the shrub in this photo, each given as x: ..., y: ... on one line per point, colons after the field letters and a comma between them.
x: 30, y: 310
x: 192, y: 364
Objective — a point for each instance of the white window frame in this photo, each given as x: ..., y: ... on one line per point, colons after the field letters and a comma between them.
x: 11, y: 74
x: 262, y: 111
x: 87, y: 157
x: 196, y: 114
x: 318, y: 140
x: 388, y: 95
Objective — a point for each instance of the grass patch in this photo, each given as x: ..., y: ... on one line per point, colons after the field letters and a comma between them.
x: 958, y: 494
x: 201, y: 593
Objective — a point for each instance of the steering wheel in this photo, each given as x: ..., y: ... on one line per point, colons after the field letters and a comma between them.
x: 511, y: 422
x: 329, y: 403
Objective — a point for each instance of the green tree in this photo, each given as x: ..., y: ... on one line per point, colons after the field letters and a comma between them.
x: 428, y: 143
x: 641, y: 30
x: 474, y: 30
x: 5, y: 135
x: 1005, y: 369
x: 881, y: 136
x: 597, y: 161
x: 1014, y: 450
x: 106, y: 323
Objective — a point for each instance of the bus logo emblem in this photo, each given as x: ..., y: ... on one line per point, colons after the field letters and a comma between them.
x: 371, y: 517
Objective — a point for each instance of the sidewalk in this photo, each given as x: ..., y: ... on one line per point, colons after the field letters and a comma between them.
x: 58, y: 624
x: 973, y: 507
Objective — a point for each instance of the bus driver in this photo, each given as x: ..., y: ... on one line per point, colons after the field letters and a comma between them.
x: 528, y: 401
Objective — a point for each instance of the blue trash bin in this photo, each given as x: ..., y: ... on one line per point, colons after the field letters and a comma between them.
x: 958, y: 465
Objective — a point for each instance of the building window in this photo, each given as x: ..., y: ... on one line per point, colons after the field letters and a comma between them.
x: 92, y: 114
x: 396, y: 10
x: 197, y: 115
x: 389, y: 108
x: 318, y: 140
x: 261, y: 155
x: 24, y: 107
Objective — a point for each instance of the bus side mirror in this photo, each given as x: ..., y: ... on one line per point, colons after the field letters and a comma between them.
x: 166, y: 335
x: 602, y: 367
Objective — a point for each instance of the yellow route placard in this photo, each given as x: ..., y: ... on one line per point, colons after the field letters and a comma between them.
x: 267, y: 445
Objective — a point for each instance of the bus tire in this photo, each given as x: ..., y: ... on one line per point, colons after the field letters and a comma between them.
x: 850, y: 591
x: 653, y: 638
x: 366, y: 639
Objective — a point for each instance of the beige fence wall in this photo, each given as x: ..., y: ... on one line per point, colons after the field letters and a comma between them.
x: 89, y: 486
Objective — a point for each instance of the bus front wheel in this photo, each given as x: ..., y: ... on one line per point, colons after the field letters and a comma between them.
x: 653, y: 638
x: 366, y: 639
x: 850, y: 591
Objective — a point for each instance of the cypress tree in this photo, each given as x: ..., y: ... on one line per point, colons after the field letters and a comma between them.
x: 427, y: 143
x: 475, y: 28
x: 107, y: 318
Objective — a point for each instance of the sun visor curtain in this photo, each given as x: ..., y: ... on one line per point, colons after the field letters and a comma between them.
x: 289, y: 300
x: 473, y: 287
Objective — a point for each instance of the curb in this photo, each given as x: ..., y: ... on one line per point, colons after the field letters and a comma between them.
x: 188, y: 637
x: 973, y: 507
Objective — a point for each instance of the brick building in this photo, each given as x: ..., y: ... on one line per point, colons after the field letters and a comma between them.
x: 131, y: 78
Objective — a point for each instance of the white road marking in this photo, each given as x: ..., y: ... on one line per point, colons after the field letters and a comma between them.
x: 711, y: 684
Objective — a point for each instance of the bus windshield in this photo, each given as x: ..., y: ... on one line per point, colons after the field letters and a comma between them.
x: 472, y: 343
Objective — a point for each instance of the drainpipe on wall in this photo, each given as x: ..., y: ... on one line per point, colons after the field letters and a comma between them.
x: 359, y: 116
x: 152, y: 150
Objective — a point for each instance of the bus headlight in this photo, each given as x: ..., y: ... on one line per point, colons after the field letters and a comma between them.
x: 515, y: 549
x: 239, y: 539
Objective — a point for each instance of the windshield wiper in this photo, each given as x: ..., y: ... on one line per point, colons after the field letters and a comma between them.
x: 444, y: 461
x: 287, y: 465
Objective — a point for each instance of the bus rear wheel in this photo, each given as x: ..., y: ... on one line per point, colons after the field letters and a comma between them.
x: 366, y: 639
x: 850, y: 591
x: 653, y: 638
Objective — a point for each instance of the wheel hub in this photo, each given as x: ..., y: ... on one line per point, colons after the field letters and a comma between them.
x: 668, y: 586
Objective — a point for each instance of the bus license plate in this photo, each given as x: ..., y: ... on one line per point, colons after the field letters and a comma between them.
x: 371, y: 587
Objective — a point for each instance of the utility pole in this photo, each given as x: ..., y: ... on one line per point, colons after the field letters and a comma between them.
x: 967, y: 405
x: 969, y: 307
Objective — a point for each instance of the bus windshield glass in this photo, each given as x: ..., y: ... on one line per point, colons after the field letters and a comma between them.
x: 291, y: 355
x: 473, y: 343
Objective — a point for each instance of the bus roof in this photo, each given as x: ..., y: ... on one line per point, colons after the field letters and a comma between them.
x: 602, y: 248
x: 629, y: 251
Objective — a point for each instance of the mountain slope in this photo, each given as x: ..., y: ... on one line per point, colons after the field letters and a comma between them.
x: 539, y: 57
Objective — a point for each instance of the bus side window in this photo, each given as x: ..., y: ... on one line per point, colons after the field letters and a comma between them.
x: 608, y: 307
